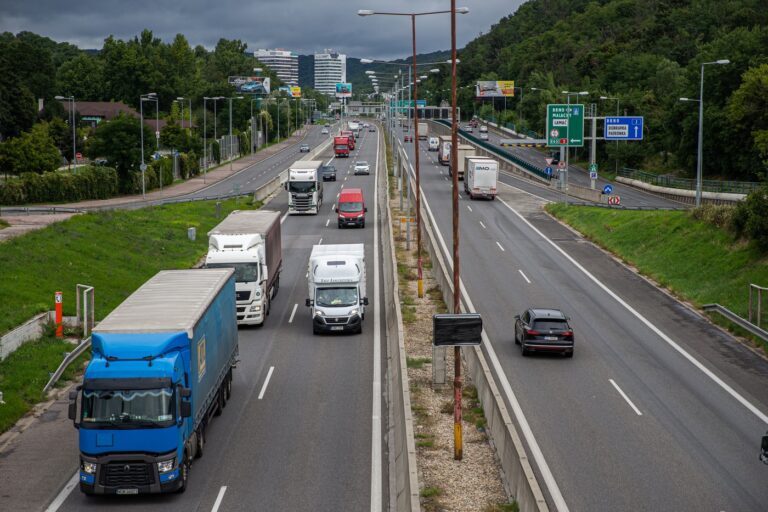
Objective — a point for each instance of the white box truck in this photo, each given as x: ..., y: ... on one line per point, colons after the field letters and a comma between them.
x: 336, y: 288
x: 423, y: 130
x: 305, y: 187
x: 250, y: 242
x: 481, y: 178
x: 464, y: 150
x: 444, y: 152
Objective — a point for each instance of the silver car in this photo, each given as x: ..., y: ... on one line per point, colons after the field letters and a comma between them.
x: 362, y: 167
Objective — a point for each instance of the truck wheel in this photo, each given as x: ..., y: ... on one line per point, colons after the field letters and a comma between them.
x: 183, y: 473
x: 221, y: 402
x: 228, y: 385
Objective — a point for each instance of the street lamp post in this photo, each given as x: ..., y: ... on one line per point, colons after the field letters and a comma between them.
x: 205, y: 131
x: 700, y: 149
x: 412, y: 73
x: 72, y: 112
x: 231, y: 150
x: 143, y: 167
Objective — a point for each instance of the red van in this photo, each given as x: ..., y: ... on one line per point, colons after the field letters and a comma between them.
x: 351, y: 208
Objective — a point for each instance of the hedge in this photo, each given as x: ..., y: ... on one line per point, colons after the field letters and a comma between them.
x: 90, y: 182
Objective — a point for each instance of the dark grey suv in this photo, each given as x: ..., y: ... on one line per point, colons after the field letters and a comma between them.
x: 544, y: 330
x: 328, y: 172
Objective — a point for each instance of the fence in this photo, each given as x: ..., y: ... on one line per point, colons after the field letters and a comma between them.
x: 728, y: 187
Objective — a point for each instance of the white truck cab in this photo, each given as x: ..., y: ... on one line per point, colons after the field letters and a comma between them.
x: 336, y: 287
x: 305, y: 187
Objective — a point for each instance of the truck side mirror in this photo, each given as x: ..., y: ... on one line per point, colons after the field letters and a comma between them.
x: 285, y: 185
x: 764, y: 450
x: 364, y: 302
x: 185, y: 409
x: 309, y: 303
x: 365, y: 210
x: 337, y: 210
x: 72, y: 409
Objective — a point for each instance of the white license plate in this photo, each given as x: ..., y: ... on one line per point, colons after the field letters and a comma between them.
x: 127, y: 491
x: 337, y: 328
x: 550, y: 338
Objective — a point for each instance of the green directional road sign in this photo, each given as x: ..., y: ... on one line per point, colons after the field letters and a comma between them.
x: 565, y: 125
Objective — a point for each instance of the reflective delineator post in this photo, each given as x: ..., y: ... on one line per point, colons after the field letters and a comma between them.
x: 59, y: 324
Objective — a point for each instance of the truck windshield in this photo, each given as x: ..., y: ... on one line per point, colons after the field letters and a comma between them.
x: 128, y: 408
x: 350, y: 207
x: 302, y: 187
x: 336, y: 297
x: 341, y: 146
x: 244, y: 272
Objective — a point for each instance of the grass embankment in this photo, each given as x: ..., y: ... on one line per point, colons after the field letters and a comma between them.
x: 3, y: 224
x: 695, y: 260
x: 113, y: 251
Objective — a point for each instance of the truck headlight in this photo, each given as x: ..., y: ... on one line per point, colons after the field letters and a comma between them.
x: 255, y: 308
x: 88, y: 467
x: 166, y: 466
x: 354, y: 312
x: 319, y: 313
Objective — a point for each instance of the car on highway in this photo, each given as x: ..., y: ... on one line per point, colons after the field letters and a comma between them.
x: 483, y: 135
x: 468, y: 128
x: 362, y: 167
x: 324, y: 131
x: 304, y: 148
x: 371, y: 128
x: 328, y: 172
x: 544, y: 330
x: 408, y: 138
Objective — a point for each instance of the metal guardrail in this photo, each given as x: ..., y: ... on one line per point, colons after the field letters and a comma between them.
x: 730, y: 187
x: 741, y: 322
x: 533, y: 169
x: 30, y: 210
x: 68, y: 359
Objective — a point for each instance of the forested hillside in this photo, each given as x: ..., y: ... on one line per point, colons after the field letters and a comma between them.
x: 648, y: 54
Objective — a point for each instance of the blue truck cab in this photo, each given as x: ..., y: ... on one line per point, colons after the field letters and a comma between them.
x: 161, y: 369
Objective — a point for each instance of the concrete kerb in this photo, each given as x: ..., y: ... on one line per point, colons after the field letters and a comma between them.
x: 517, y: 474
x: 30, y: 330
x: 683, y: 195
x: 405, y: 494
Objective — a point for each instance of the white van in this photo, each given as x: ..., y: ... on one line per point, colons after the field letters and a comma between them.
x: 434, y: 143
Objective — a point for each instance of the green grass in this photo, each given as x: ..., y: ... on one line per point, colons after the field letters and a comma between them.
x: 417, y: 362
x: 431, y: 492
x: 25, y: 372
x: 3, y: 224
x: 113, y: 251
x: 696, y: 260
x: 502, y: 507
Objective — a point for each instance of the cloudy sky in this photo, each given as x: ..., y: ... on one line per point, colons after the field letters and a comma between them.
x: 303, y: 26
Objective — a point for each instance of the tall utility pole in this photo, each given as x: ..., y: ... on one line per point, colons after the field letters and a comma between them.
x: 420, y: 282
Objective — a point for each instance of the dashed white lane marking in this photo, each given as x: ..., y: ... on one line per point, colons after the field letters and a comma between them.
x: 483, y: 225
x: 524, y: 276
x: 625, y: 397
x: 266, y: 382
x: 500, y: 247
x: 290, y: 320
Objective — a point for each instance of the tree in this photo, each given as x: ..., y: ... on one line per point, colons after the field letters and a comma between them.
x: 82, y: 77
x: 32, y: 151
x: 119, y: 141
x: 748, y: 110
x: 17, y: 103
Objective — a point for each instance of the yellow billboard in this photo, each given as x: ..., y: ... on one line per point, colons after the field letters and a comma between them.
x: 495, y: 89
x: 296, y: 91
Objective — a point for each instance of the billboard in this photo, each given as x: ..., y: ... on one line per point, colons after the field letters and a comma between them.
x: 296, y: 91
x: 250, y: 84
x: 286, y: 89
x: 495, y: 89
x: 343, y: 90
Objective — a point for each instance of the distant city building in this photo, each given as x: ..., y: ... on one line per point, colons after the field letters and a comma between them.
x: 330, y: 69
x: 284, y: 63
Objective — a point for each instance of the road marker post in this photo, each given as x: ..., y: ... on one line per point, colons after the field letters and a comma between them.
x: 59, y: 314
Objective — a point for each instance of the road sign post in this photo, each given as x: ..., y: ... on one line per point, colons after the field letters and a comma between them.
x: 592, y: 174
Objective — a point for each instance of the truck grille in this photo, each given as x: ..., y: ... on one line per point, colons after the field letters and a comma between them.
x: 116, y: 474
x: 243, y: 295
x: 337, y: 320
x: 302, y: 203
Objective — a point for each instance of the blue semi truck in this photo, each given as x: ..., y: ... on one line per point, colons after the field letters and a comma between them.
x: 161, y: 368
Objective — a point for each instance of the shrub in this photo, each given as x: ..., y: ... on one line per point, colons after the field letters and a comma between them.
x: 90, y: 182
x: 720, y: 216
x: 750, y: 217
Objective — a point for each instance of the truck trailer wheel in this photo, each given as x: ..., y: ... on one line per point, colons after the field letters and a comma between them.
x: 200, y: 440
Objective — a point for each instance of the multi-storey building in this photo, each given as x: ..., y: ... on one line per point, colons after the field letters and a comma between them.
x: 284, y: 63
x: 330, y: 69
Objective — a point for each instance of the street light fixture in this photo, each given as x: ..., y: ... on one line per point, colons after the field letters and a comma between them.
x: 143, y: 167
x: 181, y: 99
x: 205, y: 130
x: 71, y: 101
x: 230, y: 129
x: 700, y: 150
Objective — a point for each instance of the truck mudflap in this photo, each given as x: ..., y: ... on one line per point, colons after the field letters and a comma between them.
x: 130, y: 473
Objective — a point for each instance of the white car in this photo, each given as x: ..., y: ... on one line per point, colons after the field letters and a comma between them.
x: 362, y: 167
x: 483, y: 135
x: 434, y: 143
x: 324, y: 131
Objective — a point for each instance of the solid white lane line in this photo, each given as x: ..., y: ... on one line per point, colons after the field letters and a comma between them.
x: 376, y: 475
x: 220, y: 497
x: 625, y: 397
x: 290, y: 320
x: 64, y: 493
x: 720, y: 382
x: 469, y: 208
x: 266, y: 382
x: 282, y: 219
x: 327, y: 222
x: 524, y: 276
x: 483, y: 225
x: 500, y: 247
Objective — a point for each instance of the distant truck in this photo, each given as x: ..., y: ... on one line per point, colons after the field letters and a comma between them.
x: 341, y: 147
x: 481, y: 177
x: 349, y: 134
x: 423, y: 130
x: 464, y: 150
x: 161, y: 369
x: 444, y: 153
x: 336, y: 287
x: 305, y: 187
x: 249, y: 241
x: 354, y: 126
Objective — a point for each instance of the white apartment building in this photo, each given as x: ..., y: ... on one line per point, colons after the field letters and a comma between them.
x: 283, y: 62
x: 330, y: 69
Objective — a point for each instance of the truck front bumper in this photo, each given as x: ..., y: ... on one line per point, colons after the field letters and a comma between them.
x: 247, y: 316
x: 337, y: 324
x: 127, y: 473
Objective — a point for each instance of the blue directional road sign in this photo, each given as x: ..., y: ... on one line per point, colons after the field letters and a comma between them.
x: 548, y: 170
x: 607, y: 189
x: 624, y: 128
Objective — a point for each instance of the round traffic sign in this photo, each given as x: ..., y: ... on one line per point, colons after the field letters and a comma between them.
x: 607, y: 189
x: 561, y: 165
x: 548, y: 170
x: 554, y: 133
x: 143, y: 167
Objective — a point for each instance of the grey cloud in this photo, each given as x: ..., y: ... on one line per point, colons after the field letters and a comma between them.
x: 303, y: 26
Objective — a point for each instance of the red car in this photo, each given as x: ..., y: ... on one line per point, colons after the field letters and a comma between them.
x: 408, y: 138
